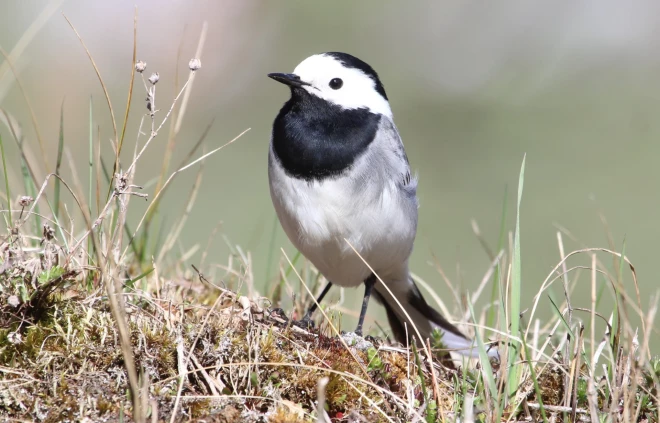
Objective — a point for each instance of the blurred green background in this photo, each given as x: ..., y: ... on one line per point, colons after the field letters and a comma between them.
x: 473, y: 86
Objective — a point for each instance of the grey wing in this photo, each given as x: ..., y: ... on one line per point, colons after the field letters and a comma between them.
x: 385, y: 166
x: 397, y: 159
x: 389, y: 169
x: 399, y: 169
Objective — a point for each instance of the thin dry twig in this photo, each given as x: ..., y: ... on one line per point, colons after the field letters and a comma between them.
x: 175, y: 408
x: 130, y: 89
x: 154, y: 132
x: 186, y: 95
x: 146, y: 213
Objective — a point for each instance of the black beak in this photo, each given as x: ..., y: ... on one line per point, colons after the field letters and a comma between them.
x: 290, y: 79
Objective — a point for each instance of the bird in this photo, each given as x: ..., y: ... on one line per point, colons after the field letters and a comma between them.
x: 340, y: 183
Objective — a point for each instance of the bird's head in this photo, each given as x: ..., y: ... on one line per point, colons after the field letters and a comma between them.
x: 340, y: 79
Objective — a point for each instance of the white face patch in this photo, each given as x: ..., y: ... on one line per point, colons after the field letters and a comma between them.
x: 357, y: 89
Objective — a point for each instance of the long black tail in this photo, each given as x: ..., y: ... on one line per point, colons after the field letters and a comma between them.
x: 423, y: 316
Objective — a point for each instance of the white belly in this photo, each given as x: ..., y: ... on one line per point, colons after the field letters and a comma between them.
x: 318, y: 218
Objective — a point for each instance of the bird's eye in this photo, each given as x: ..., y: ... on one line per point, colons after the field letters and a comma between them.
x: 336, y: 83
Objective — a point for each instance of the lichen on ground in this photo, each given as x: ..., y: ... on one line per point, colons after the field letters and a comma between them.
x: 61, y: 360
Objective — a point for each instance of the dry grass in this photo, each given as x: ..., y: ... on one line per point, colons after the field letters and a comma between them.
x: 68, y: 364
x: 93, y: 329
x: 209, y: 353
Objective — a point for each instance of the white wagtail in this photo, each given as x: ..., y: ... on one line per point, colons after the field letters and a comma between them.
x: 338, y: 171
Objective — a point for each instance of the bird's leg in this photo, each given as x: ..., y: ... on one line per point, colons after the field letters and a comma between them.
x: 307, y: 319
x: 368, y: 287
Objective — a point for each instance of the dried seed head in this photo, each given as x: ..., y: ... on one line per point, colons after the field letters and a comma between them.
x: 25, y: 201
x: 154, y: 78
x: 121, y: 182
x: 194, y: 64
x: 140, y: 66
x: 49, y: 233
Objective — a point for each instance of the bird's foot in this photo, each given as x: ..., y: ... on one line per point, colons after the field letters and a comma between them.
x: 305, y: 323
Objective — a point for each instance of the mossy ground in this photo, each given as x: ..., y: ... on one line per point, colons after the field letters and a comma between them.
x: 61, y: 361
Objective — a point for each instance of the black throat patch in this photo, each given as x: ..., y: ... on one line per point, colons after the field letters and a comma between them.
x: 314, y: 139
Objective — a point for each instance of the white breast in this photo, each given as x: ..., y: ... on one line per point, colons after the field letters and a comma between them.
x: 371, y: 208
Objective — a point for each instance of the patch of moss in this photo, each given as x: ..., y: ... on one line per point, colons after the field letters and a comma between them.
x: 551, y: 383
x: 284, y: 415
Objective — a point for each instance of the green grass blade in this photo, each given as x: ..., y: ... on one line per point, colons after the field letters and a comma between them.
x: 483, y: 356
x: 58, y: 164
x: 501, y: 291
x: 160, y: 192
x: 91, y: 168
x: 430, y: 411
x: 29, y: 183
x: 516, y: 276
x: 127, y: 229
x: 58, y: 226
x: 585, y: 357
x: 490, y: 321
x: 4, y: 167
x: 561, y: 317
x: 616, y: 322
x: 532, y: 372
x: 130, y: 86
x: 131, y: 283
x: 30, y: 188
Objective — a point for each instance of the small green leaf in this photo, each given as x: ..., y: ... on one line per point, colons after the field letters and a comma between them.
x: 375, y: 363
x: 50, y: 274
x: 254, y: 379
x: 431, y: 411
x: 582, y: 394
x: 131, y: 283
x: 436, y: 340
x: 22, y: 291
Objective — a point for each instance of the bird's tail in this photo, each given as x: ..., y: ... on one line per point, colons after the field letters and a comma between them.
x: 425, y: 318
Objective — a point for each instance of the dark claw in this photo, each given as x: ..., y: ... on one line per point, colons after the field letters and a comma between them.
x: 305, y: 323
x: 279, y: 313
x: 371, y: 339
